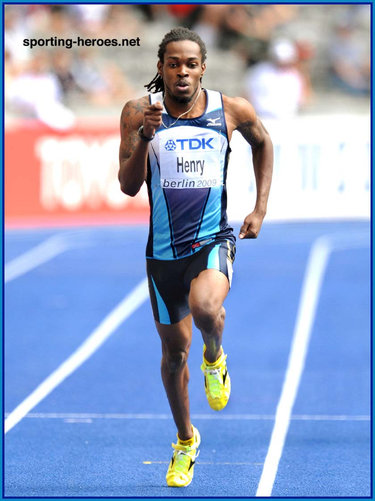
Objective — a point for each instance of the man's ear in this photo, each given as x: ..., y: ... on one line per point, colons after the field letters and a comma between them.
x: 203, y: 69
x: 160, y: 68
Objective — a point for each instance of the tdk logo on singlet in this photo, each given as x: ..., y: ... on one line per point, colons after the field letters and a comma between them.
x: 190, y: 144
x: 170, y: 145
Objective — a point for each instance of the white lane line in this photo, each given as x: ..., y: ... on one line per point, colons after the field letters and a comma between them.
x: 312, y: 283
x: 40, y: 254
x: 110, y: 323
x: 224, y: 417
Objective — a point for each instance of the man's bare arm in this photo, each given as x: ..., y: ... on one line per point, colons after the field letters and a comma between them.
x: 248, y: 124
x: 134, y: 150
x: 262, y: 149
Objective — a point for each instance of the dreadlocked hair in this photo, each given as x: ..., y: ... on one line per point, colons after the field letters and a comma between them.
x: 176, y: 35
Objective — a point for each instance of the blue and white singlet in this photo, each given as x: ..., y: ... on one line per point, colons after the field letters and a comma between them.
x: 186, y: 180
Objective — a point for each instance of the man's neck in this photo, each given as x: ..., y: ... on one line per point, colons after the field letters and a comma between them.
x: 194, y: 107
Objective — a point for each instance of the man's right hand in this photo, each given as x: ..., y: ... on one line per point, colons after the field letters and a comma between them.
x: 152, y: 118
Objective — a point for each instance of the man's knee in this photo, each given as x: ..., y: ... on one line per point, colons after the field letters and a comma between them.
x: 206, y: 313
x: 175, y: 361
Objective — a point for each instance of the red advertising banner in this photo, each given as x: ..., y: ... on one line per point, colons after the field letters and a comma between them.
x: 66, y: 177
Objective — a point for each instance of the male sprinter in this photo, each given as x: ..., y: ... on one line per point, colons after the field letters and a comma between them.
x: 177, y: 140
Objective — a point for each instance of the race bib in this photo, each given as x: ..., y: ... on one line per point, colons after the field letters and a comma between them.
x: 187, y: 163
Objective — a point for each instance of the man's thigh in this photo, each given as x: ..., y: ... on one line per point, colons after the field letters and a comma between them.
x: 209, y: 290
x: 170, y: 281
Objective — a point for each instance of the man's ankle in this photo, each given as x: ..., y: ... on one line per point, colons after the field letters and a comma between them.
x: 211, y: 359
x: 186, y: 440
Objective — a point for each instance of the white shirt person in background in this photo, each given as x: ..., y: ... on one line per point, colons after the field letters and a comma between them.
x: 276, y: 88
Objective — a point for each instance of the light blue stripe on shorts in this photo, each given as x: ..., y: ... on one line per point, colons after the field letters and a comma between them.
x: 213, y: 258
x: 163, y: 312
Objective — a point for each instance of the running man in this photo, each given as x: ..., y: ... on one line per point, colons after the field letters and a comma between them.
x: 176, y: 140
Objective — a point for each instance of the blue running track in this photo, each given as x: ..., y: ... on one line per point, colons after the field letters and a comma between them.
x: 103, y: 428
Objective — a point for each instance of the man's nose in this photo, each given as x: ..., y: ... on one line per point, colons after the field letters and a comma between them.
x: 183, y: 71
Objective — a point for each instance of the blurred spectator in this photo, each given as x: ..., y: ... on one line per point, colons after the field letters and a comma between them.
x: 305, y: 53
x: 90, y: 17
x: 86, y: 71
x: 36, y: 93
x: 249, y: 28
x: 152, y: 12
x: 118, y: 88
x: 62, y: 67
x: 276, y: 87
x: 14, y: 33
x: 209, y: 23
x: 185, y: 14
x: 349, y: 59
x: 101, y: 82
x: 50, y: 20
x: 11, y: 71
x: 121, y: 21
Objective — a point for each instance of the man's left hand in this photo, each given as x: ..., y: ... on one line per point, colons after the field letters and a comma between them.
x: 251, y: 226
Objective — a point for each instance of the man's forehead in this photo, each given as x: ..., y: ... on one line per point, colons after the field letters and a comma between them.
x: 183, y: 48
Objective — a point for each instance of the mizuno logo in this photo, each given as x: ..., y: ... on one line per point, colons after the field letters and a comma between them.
x: 211, y: 122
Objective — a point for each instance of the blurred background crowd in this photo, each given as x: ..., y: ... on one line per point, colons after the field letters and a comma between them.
x: 286, y: 59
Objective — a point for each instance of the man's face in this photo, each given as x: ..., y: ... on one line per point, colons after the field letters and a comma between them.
x: 182, y: 70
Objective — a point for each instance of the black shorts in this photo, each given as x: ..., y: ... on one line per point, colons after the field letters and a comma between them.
x: 169, y: 281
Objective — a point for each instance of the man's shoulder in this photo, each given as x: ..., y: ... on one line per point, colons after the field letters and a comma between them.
x: 234, y: 100
x: 238, y: 110
x: 236, y: 104
x: 137, y: 103
x: 133, y: 110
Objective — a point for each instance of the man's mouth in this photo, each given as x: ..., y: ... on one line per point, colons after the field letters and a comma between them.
x: 182, y: 85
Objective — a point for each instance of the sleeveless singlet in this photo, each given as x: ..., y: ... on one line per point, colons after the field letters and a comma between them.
x: 186, y: 181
